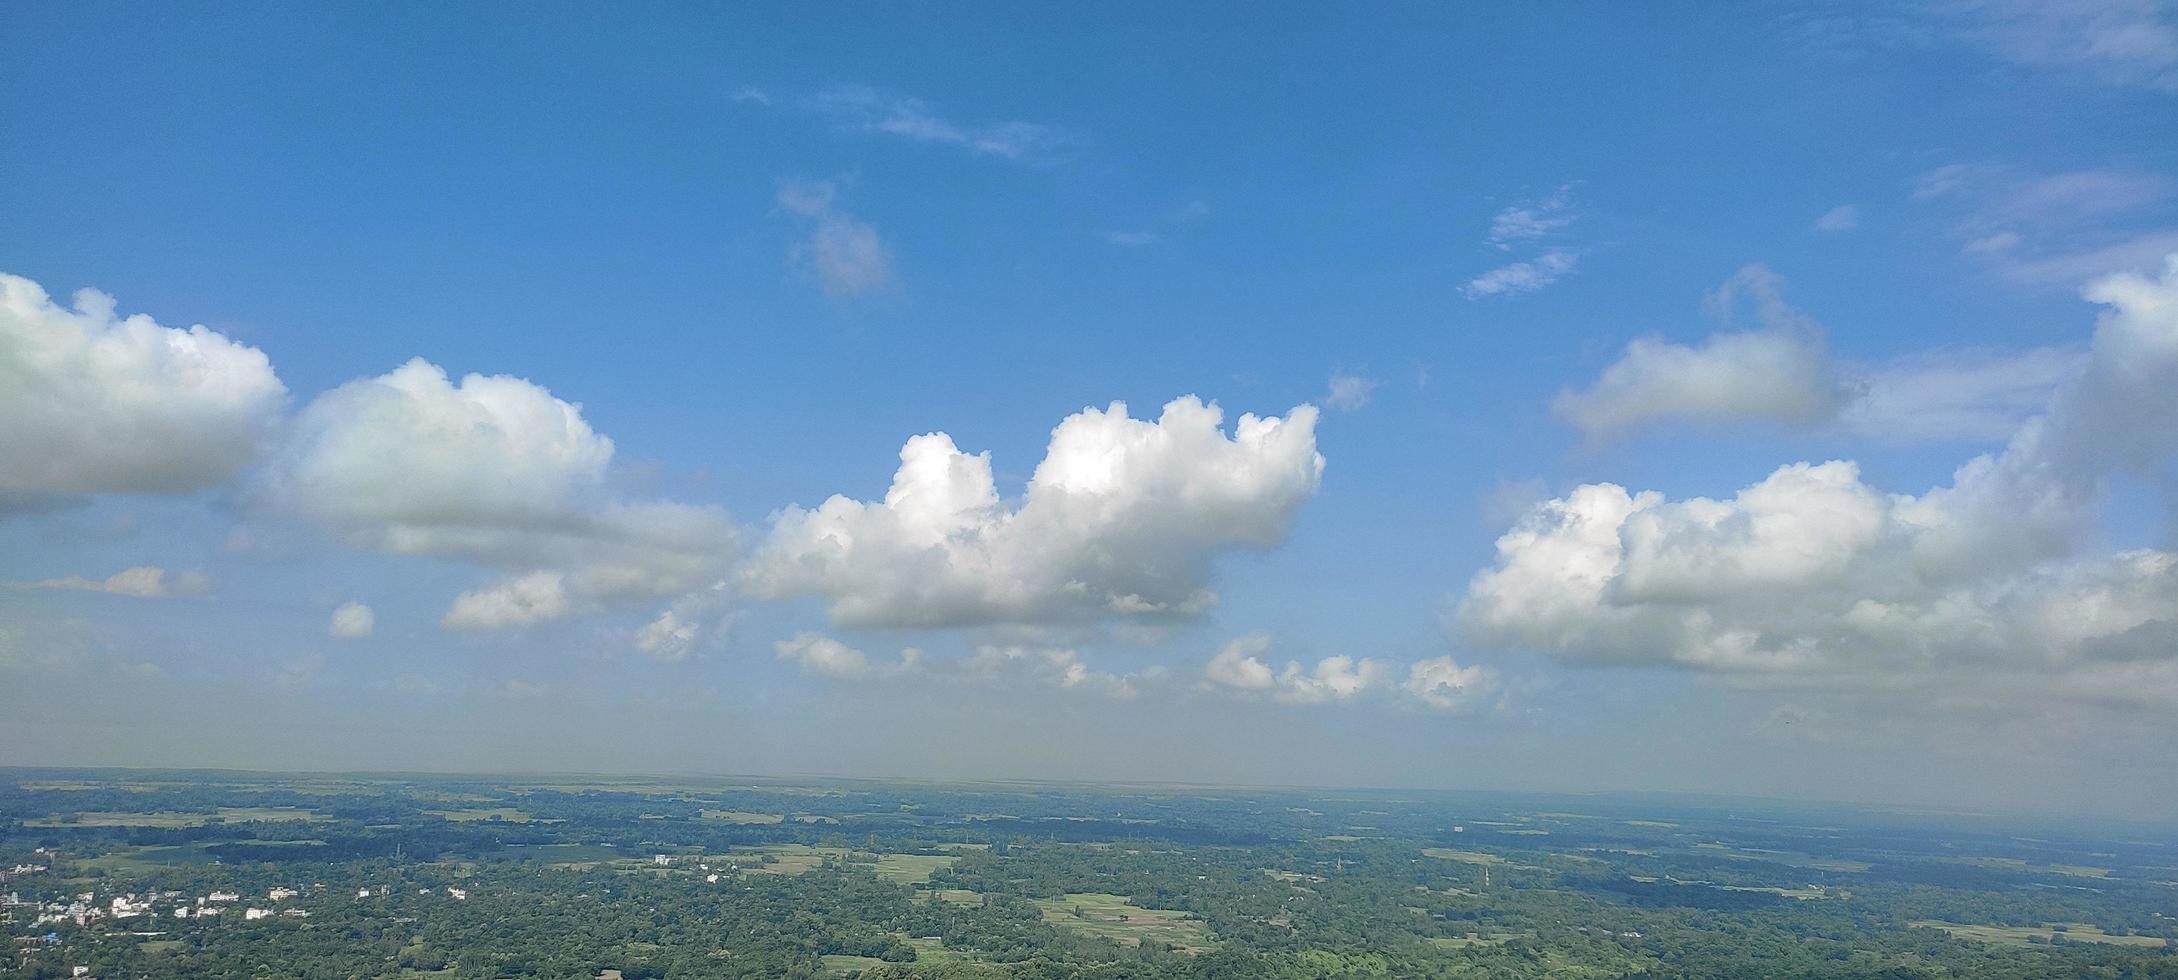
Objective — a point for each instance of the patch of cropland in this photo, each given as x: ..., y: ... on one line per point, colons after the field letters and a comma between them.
x: 170, y: 875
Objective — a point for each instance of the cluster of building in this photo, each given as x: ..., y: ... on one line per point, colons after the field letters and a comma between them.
x: 84, y: 909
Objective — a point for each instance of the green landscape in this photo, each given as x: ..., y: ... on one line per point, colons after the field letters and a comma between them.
x: 228, y: 874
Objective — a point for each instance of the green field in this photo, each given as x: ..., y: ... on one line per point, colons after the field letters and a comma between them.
x: 928, y: 950
x: 505, y: 813
x: 912, y: 867
x: 172, y: 819
x: 2079, y: 932
x: 743, y: 817
x: 1113, y: 917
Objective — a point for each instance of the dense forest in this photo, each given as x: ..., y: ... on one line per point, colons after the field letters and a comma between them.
x: 188, y: 874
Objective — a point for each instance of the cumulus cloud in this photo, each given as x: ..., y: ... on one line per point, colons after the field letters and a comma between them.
x: 1443, y: 684
x: 534, y: 598
x: 1122, y: 519
x: 1053, y: 667
x: 92, y: 402
x: 352, y: 621
x: 693, y: 621
x: 1523, y: 277
x: 1782, y: 372
x: 1239, y: 665
x: 1844, y: 217
x: 820, y: 654
x: 1813, y: 576
x: 496, y: 471
x: 842, y: 253
x: 141, y: 582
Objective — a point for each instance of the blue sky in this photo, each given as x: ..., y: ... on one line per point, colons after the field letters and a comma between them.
x: 762, y: 249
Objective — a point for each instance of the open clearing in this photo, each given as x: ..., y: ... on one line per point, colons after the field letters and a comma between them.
x: 743, y: 817
x: 172, y: 819
x: 1113, y: 917
x: 505, y: 813
x: 912, y: 867
x: 2079, y: 932
x: 928, y: 950
x: 1473, y: 939
x: 1474, y: 857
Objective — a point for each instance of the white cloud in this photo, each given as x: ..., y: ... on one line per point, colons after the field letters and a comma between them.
x: 1121, y: 520
x: 820, y: 654
x: 530, y: 599
x: 1771, y: 376
x: 842, y: 253
x: 1350, y: 391
x: 1523, y: 277
x: 1524, y: 225
x: 352, y: 621
x: 1052, y: 667
x: 2125, y: 42
x: 91, y: 402
x: 494, y: 471
x: 862, y: 109
x: 1780, y: 373
x: 670, y: 637
x: 1814, y: 577
x: 2057, y: 229
x: 1784, y: 373
x: 1971, y: 395
x: 1532, y: 220
x: 1844, y: 217
x: 1444, y: 685
x: 1239, y: 665
x: 142, y: 582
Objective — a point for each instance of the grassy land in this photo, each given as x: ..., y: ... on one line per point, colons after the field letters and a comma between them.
x: 1113, y: 917
x: 928, y: 950
x: 506, y: 813
x: 172, y: 819
x: 1472, y: 939
x: 911, y: 867
x: 2079, y: 932
x: 1474, y: 857
x: 743, y: 817
x: 148, y: 858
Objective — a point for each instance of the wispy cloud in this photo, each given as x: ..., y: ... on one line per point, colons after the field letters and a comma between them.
x: 866, y: 110
x: 1844, y: 217
x: 2057, y: 229
x: 2131, y: 43
x: 1350, y: 391
x: 1532, y: 220
x: 842, y: 253
x: 142, y: 582
x: 2123, y: 42
x: 1523, y: 277
x: 1529, y: 224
